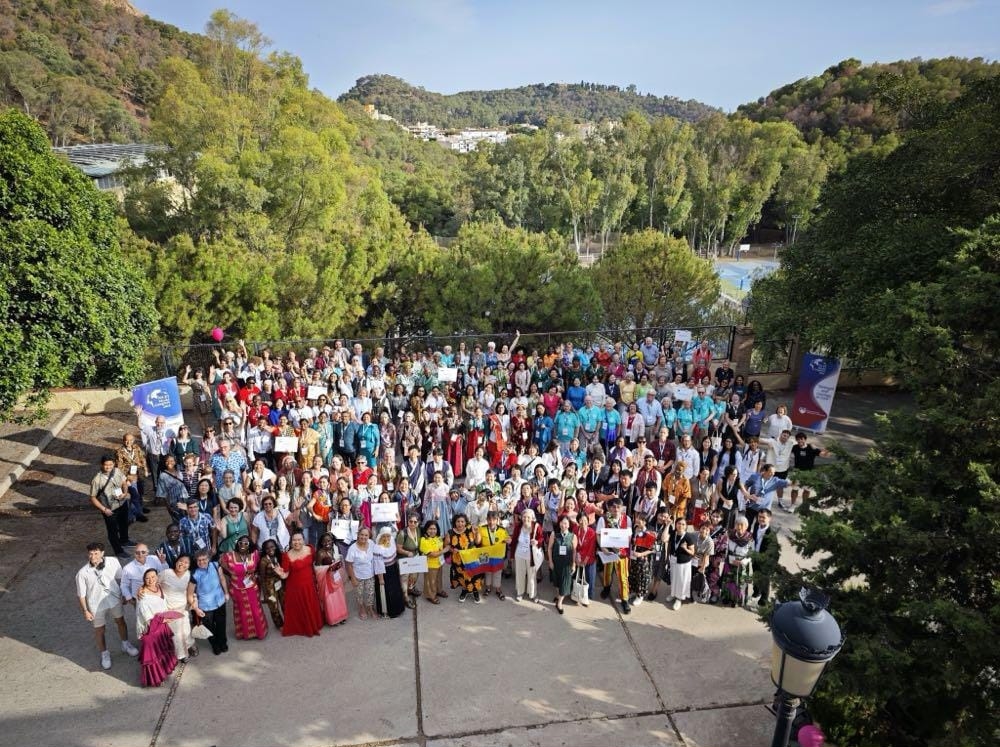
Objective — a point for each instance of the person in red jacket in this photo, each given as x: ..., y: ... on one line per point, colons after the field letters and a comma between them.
x: 586, y: 550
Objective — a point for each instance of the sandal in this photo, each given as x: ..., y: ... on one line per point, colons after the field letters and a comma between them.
x: 500, y: 595
x: 433, y: 601
x: 363, y: 616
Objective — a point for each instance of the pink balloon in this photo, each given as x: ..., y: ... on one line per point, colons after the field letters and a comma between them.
x: 811, y: 736
x: 217, y: 334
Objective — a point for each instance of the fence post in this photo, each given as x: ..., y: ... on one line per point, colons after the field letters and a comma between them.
x: 794, y: 362
x: 743, y: 342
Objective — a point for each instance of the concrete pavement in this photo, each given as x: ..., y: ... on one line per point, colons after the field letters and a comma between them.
x: 458, y: 674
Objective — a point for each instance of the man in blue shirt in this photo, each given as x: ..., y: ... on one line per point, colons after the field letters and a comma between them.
x: 650, y: 351
x: 652, y: 414
x: 762, y: 487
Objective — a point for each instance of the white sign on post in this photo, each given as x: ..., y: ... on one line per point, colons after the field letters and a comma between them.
x: 286, y: 444
x: 682, y: 335
x: 446, y: 375
x: 744, y: 247
x: 416, y: 564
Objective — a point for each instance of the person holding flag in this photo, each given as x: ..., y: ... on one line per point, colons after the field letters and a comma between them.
x: 495, y: 537
x: 464, y: 574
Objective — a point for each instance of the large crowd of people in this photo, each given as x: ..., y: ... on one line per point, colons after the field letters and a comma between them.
x: 603, y: 472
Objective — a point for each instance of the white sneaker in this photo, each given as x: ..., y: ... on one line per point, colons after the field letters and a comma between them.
x: 105, y: 659
x: 129, y: 649
x: 675, y: 605
x: 637, y: 602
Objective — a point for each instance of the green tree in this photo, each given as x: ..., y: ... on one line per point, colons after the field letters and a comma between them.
x: 901, y: 270
x: 499, y: 279
x: 665, y: 172
x: 74, y: 310
x: 650, y: 280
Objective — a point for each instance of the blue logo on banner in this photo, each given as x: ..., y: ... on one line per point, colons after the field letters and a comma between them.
x: 157, y: 398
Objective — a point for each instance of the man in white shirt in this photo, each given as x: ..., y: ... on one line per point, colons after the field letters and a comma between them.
x: 155, y: 442
x: 131, y: 577
x: 99, y: 593
x: 689, y: 455
x: 779, y: 453
x: 260, y: 443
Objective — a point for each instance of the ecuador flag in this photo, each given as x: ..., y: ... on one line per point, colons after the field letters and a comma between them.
x: 477, y: 561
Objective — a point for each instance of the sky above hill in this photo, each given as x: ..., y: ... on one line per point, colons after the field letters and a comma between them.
x: 723, y: 52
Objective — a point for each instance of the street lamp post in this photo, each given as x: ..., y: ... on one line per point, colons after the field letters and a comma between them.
x: 805, y: 638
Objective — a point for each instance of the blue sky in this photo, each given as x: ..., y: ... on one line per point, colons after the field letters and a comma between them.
x: 722, y: 52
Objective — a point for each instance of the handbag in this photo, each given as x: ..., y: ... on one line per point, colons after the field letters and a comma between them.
x: 581, y: 589
x: 200, y: 631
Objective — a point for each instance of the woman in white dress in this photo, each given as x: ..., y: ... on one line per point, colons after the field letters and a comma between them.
x: 173, y: 584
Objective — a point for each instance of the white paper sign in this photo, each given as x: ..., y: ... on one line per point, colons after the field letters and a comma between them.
x: 744, y: 247
x: 615, y: 537
x: 315, y: 392
x: 416, y: 564
x: 608, y: 557
x: 286, y: 444
x: 382, y: 512
x: 342, y: 528
x: 684, y: 393
x: 682, y: 335
x: 447, y: 374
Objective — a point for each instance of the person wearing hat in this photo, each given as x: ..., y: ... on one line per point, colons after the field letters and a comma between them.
x: 390, y: 601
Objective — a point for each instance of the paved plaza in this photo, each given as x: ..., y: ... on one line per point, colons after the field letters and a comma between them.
x: 499, y: 673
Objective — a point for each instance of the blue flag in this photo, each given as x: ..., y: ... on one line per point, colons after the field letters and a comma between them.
x: 158, y: 398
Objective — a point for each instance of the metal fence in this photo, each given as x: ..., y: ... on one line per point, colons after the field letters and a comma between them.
x: 175, y: 357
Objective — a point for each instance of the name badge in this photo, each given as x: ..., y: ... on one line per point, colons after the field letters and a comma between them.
x: 562, y: 549
x: 133, y: 470
x: 117, y: 493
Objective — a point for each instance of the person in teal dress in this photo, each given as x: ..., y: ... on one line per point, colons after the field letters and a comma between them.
x: 368, y: 438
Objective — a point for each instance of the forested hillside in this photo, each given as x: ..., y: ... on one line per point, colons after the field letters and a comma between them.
x: 855, y: 105
x: 534, y: 104
x: 85, y: 69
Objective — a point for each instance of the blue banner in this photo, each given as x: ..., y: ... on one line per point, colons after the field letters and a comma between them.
x: 158, y: 398
x: 814, y: 394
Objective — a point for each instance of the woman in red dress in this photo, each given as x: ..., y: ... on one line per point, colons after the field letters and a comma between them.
x: 475, y: 432
x: 454, y: 441
x: 520, y: 430
x: 302, y: 612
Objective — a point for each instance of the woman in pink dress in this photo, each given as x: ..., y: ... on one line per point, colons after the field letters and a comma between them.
x: 330, y: 580
x: 302, y: 613
x: 240, y: 567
